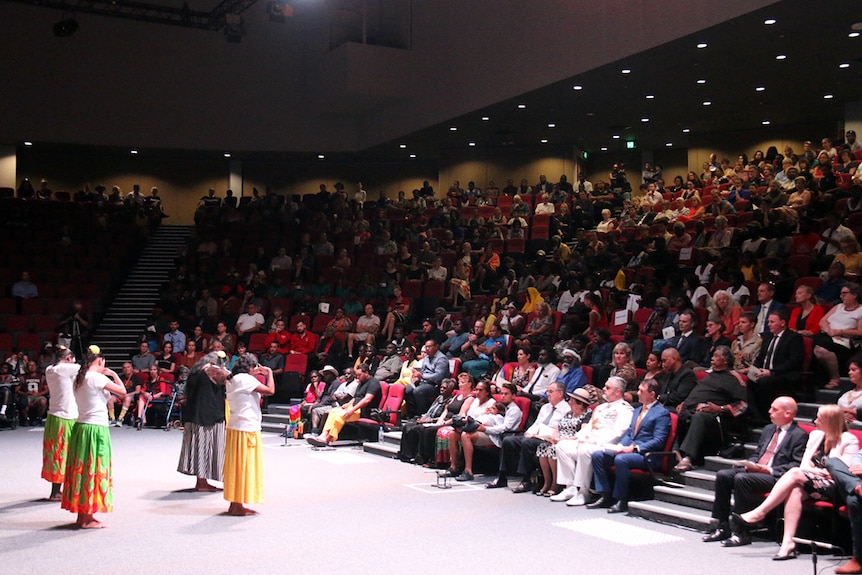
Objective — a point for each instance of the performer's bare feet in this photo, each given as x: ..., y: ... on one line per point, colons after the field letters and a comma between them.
x: 204, y: 487
x: 55, y: 497
x: 88, y: 521
x: 237, y: 510
x: 56, y: 492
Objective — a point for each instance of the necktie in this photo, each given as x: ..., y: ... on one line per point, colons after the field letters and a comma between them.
x: 640, y: 418
x: 770, y: 353
x: 761, y: 319
x: 550, y: 415
x: 766, y: 458
x: 535, y: 379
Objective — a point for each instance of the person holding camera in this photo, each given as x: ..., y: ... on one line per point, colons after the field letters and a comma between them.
x: 502, y: 418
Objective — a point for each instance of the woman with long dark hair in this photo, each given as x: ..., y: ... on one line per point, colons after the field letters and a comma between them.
x: 243, y: 460
x: 202, y: 453
x: 88, y: 482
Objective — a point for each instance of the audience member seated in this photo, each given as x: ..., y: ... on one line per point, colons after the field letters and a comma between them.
x: 838, y: 330
x: 389, y: 369
x: 689, y: 345
x: 143, y: 360
x: 32, y: 396
x: 810, y: 480
x: 780, y: 449
x: 248, y: 323
x: 366, y: 398
x: 746, y: 346
x: 132, y: 383
x: 544, y: 374
x: 367, y: 327
x: 805, y: 317
x: 712, y: 405
x: 608, y: 424
x: 579, y: 402
x: 478, y: 356
x: 649, y: 430
x: 417, y: 435
x: 227, y: 340
x: 427, y: 375
x: 714, y: 338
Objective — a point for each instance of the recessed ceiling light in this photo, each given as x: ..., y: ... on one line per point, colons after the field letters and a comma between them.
x: 760, y: 89
x: 765, y: 122
x: 707, y: 103
x: 669, y: 144
x: 521, y: 106
x: 133, y: 151
x: 650, y: 97
x: 412, y: 155
x: 853, y: 35
x: 471, y: 144
x: 770, y: 21
x: 544, y: 140
x: 644, y: 119
x: 28, y: 143
x: 616, y: 136
x: 320, y: 156
x: 701, y: 81
x: 702, y: 45
x: 453, y: 129
x: 552, y: 125
x: 828, y: 96
x: 577, y: 87
x: 485, y: 118
x: 626, y: 71
x: 843, y: 65
x: 781, y: 57
x: 604, y: 149
x: 402, y: 146
x: 686, y: 130
x: 227, y: 154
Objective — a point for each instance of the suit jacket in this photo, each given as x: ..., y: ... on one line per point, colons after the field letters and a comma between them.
x: 787, y: 359
x: 677, y: 387
x: 653, y: 431
x: 789, y: 452
x: 772, y: 307
x: 690, y: 348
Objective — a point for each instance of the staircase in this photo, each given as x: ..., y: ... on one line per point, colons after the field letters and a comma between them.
x: 125, y: 319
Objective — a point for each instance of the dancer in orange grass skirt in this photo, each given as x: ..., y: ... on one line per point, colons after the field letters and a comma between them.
x: 62, y: 414
x: 87, y: 488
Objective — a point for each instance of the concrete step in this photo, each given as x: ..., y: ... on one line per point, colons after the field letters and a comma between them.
x: 701, y: 478
x: 392, y: 438
x: 270, y: 427
x: 808, y: 410
x: 671, y: 513
x: 384, y: 449
x: 692, y: 497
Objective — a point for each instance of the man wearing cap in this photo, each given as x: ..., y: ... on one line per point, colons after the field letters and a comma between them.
x: 648, y: 431
x: 571, y: 374
x: 524, y: 446
x: 575, y: 455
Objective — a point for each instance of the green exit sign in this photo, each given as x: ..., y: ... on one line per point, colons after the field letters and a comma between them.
x: 631, y: 145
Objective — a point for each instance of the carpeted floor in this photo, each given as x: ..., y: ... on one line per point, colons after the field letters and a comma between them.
x: 337, y: 511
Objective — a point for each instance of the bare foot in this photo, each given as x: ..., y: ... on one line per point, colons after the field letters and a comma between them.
x: 89, y: 522
x: 238, y: 510
x: 56, y: 497
x: 207, y: 488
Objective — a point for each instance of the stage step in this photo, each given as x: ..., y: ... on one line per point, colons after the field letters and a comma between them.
x: 671, y: 513
x: 385, y: 449
x: 700, y: 478
x: 686, y: 496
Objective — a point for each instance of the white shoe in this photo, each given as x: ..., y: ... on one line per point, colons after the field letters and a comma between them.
x: 577, y: 500
x: 565, y: 494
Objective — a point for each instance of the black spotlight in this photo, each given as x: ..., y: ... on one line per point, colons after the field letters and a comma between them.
x: 65, y: 28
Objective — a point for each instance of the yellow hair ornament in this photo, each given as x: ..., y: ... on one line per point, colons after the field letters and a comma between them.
x: 94, y: 349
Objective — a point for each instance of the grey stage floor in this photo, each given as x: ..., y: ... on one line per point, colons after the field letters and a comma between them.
x: 331, y: 512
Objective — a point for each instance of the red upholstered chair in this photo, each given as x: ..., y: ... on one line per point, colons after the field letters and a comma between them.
x: 257, y: 342
x: 651, y: 475
x: 454, y: 367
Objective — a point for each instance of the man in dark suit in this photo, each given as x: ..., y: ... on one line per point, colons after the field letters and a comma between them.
x: 780, y: 448
x: 648, y: 431
x: 779, y: 363
x: 680, y: 381
x: 766, y: 304
x: 848, y: 486
x: 687, y: 343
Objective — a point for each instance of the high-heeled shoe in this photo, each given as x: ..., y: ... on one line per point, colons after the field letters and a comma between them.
x: 792, y: 554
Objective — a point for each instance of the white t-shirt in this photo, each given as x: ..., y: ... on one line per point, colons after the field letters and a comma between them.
x: 244, y: 402
x: 61, y: 381
x: 92, y: 399
x: 246, y: 322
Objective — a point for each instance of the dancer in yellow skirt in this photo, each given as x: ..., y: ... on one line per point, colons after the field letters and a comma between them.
x: 87, y: 486
x: 243, y: 460
x: 62, y: 414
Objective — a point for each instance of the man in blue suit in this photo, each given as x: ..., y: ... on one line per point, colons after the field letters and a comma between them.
x: 766, y: 305
x: 648, y: 431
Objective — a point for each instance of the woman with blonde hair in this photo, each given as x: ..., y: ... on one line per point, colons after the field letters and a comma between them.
x: 810, y: 480
x: 623, y: 366
x: 726, y: 308
x: 805, y: 317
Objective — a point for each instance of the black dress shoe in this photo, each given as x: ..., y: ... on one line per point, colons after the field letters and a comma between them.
x: 602, y: 502
x: 497, y: 483
x: 720, y: 534
x: 523, y: 487
x: 619, y: 507
x: 737, y: 540
x: 792, y: 554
